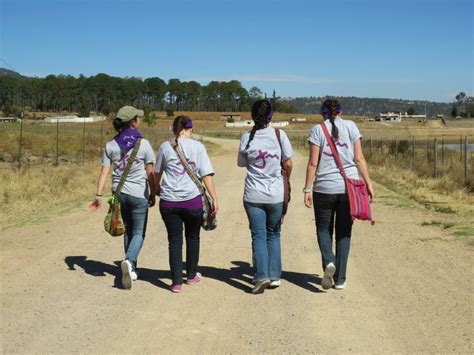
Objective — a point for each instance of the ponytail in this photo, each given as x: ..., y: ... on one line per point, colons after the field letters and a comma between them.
x: 119, y: 125
x: 329, y: 110
x: 262, y: 114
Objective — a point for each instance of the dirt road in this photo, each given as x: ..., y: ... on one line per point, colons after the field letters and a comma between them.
x: 409, y: 287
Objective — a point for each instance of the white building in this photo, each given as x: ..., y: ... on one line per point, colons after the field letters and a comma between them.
x: 73, y: 119
x: 249, y: 123
x: 389, y: 116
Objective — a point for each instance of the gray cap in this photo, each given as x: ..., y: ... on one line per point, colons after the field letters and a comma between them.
x: 127, y: 113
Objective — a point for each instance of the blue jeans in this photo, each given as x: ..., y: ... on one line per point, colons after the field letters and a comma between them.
x: 135, y: 217
x: 330, y: 208
x: 175, y: 219
x: 265, y: 227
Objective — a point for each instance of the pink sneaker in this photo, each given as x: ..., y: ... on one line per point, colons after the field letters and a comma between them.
x: 194, y: 280
x: 175, y: 288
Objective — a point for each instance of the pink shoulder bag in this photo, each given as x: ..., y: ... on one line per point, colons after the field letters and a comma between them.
x: 359, y: 198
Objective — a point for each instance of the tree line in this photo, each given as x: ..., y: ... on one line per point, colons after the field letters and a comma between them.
x: 105, y: 94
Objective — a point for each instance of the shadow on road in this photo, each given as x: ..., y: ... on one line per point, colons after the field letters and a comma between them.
x: 238, y: 276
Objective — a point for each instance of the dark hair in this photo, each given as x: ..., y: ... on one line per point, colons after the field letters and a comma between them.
x: 120, y: 126
x: 180, y: 123
x: 330, y: 109
x: 262, y: 113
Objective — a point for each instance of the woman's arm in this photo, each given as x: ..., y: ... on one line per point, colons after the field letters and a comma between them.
x: 362, y: 167
x: 209, y: 183
x: 157, y: 185
x: 100, y: 188
x: 150, y: 173
x: 288, y: 166
x: 311, y: 169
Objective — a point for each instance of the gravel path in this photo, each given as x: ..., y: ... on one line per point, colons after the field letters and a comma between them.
x: 409, y: 287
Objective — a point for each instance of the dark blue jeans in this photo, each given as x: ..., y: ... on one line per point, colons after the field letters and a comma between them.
x: 265, y: 227
x: 135, y: 217
x: 175, y: 219
x: 330, y: 208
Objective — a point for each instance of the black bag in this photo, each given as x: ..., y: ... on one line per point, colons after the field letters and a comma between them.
x: 209, y: 219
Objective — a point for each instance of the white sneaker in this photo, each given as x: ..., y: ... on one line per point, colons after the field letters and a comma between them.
x: 260, y: 286
x: 275, y: 283
x: 126, y: 267
x: 327, y: 277
x: 134, y: 276
x: 340, y: 286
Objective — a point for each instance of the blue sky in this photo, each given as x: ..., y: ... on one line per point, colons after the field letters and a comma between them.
x: 415, y: 49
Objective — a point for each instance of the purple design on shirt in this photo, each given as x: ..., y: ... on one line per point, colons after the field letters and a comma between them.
x: 263, y: 154
x: 123, y: 163
x: 182, y: 172
x: 343, y: 145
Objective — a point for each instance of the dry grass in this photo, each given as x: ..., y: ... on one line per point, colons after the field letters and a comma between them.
x: 34, y: 192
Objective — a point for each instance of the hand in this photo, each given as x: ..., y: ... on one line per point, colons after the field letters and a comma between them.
x: 96, y: 204
x: 308, y: 199
x: 151, y: 200
x: 215, y: 207
x: 370, y: 190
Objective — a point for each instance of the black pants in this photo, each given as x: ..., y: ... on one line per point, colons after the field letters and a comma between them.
x: 175, y: 219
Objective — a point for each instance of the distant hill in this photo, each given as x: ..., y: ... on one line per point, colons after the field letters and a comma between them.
x: 8, y: 72
x: 364, y: 106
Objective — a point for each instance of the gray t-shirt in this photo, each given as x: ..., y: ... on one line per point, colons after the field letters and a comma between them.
x: 136, y: 182
x: 328, y: 178
x: 176, y: 184
x: 264, y: 183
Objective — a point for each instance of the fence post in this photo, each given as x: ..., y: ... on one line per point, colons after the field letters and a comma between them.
x: 465, y: 160
x: 435, y: 155
x: 370, y: 147
x: 101, y: 137
x: 381, y: 145
x: 20, y: 144
x: 413, y: 148
x: 442, y: 151
x: 427, y: 150
x: 84, y: 142
x: 57, y: 141
x: 460, y: 148
x: 396, y: 147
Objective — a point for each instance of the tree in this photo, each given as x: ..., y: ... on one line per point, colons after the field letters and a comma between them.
x: 454, y: 111
x: 411, y: 111
x: 255, y: 93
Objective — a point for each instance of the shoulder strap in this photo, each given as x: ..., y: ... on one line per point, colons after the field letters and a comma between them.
x: 191, y: 173
x: 186, y: 166
x: 333, y: 147
x: 277, y: 132
x: 132, y: 157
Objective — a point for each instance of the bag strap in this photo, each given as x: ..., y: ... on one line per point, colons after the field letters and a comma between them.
x: 334, y: 152
x: 277, y: 132
x: 131, y: 159
x: 190, y: 172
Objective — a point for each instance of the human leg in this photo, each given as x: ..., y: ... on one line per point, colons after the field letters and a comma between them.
x: 343, y: 238
x: 273, y: 226
x: 192, y: 229
x: 324, y: 208
x: 174, y: 227
x: 257, y: 223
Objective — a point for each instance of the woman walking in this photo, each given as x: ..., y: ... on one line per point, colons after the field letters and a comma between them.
x: 261, y: 152
x: 180, y: 200
x: 135, y: 195
x: 325, y: 189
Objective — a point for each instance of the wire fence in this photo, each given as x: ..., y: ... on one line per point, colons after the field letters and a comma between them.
x: 23, y: 145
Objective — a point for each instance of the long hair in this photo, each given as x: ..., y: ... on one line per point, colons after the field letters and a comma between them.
x: 119, y: 126
x: 180, y: 123
x: 329, y: 110
x: 262, y: 113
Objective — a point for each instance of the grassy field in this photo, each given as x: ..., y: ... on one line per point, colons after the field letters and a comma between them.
x: 22, y: 194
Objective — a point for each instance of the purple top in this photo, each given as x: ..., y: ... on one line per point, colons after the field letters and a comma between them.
x: 192, y: 204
